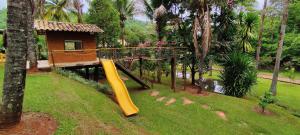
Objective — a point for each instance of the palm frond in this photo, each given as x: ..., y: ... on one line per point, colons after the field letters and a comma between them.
x: 149, y: 10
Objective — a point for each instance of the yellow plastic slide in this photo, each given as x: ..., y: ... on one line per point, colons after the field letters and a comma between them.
x: 118, y: 87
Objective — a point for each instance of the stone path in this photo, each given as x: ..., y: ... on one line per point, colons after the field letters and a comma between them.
x: 160, y: 99
x: 154, y: 93
x: 221, y: 114
x: 186, y: 101
x: 170, y: 101
x: 205, y: 106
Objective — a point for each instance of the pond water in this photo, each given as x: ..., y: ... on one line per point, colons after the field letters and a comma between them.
x: 180, y: 75
x: 210, y: 84
x: 213, y: 86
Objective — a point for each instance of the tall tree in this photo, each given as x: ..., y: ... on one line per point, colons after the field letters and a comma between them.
x: 261, y: 29
x: 15, y: 66
x: 103, y: 14
x: 284, y: 19
x: 202, y: 24
x: 157, y: 10
x: 125, y: 9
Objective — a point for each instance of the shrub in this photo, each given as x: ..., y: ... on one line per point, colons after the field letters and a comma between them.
x: 239, y: 74
x: 100, y: 87
x: 265, y: 100
x: 291, y: 73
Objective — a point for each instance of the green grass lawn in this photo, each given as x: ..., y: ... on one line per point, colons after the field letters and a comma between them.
x: 80, y: 109
x: 288, y: 95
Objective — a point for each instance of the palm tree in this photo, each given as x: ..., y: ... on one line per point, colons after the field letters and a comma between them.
x: 56, y: 10
x: 202, y: 24
x: 15, y: 66
x: 125, y: 9
x: 247, y: 25
x: 273, y: 87
x: 263, y: 13
x: 156, y: 10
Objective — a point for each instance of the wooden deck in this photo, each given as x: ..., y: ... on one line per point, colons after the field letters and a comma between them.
x: 44, y: 64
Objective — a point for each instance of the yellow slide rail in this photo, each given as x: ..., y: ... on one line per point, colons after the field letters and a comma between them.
x: 119, y: 88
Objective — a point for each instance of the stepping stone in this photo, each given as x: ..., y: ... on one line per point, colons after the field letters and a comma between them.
x: 124, y: 78
x: 154, y: 93
x: 222, y: 115
x: 187, y: 101
x: 171, y: 101
x: 205, y: 106
x: 160, y: 99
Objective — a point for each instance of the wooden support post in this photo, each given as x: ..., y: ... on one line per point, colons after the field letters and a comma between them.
x: 141, y: 67
x: 87, y: 72
x: 52, y: 57
x: 96, y: 73
x: 173, y: 72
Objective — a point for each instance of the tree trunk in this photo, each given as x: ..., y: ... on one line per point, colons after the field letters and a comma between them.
x: 193, y: 71
x: 15, y: 66
x: 123, y: 36
x: 261, y: 30
x: 273, y: 87
x: 159, y: 29
x: 31, y: 52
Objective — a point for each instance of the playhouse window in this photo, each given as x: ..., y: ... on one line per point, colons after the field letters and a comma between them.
x: 73, y: 45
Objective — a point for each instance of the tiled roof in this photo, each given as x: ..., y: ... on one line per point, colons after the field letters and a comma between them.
x: 43, y: 25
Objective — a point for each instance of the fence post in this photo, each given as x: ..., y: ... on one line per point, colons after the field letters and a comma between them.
x: 141, y: 67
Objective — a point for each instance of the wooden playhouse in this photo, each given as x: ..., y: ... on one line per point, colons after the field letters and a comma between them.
x: 69, y: 44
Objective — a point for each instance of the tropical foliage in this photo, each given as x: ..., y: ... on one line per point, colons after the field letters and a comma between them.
x: 56, y: 10
x: 265, y: 100
x: 103, y: 14
x: 139, y: 32
x: 3, y: 18
x: 125, y: 9
x: 239, y: 74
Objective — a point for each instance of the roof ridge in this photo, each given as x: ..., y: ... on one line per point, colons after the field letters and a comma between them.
x: 45, y: 25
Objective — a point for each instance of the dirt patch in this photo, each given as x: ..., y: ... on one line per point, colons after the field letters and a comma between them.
x: 206, y: 107
x: 154, y: 93
x: 258, y: 110
x: 160, y: 99
x: 192, y: 89
x: 92, y: 126
x: 222, y: 115
x: 171, y: 101
x: 32, y: 123
x: 187, y: 101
